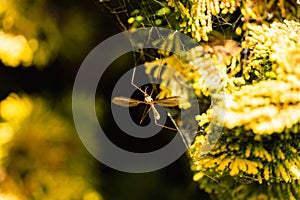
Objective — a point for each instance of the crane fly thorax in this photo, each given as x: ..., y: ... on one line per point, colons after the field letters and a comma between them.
x: 148, y: 99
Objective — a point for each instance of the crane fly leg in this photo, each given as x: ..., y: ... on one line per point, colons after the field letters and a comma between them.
x: 157, y: 124
x: 133, y: 84
x: 157, y: 117
x: 146, y: 111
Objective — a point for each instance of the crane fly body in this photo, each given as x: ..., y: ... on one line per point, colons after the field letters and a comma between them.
x: 148, y: 100
x: 128, y: 102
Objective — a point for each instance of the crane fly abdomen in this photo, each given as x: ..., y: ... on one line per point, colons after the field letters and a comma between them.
x: 155, y: 112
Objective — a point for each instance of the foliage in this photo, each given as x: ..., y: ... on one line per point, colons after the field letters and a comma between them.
x: 258, y: 61
x: 260, y: 139
x: 28, y: 36
x: 33, y: 33
x: 39, y: 158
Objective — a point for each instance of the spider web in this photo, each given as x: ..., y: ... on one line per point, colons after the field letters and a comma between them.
x: 132, y: 14
x: 224, y: 28
x: 126, y: 9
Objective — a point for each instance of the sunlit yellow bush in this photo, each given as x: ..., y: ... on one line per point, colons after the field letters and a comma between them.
x: 40, y: 154
x: 259, y: 146
x: 33, y: 33
x: 258, y: 62
x: 260, y: 139
x: 28, y: 34
x: 15, y: 49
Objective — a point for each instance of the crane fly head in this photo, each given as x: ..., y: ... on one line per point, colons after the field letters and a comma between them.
x: 148, y: 98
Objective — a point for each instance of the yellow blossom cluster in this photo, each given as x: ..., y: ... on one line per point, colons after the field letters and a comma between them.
x: 242, y: 188
x: 260, y: 139
x: 16, y: 49
x: 263, y: 12
x: 247, y: 166
x: 25, y: 35
x: 196, y: 15
x: 13, y: 110
x: 196, y: 66
x: 265, y: 108
x: 255, y: 158
x: 269, y: 103
x: 39, y: 158
x: 172, y: 84
x: 279, y: 45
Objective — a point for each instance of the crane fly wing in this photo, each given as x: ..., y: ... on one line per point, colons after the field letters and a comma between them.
x: 126, y: 102
x: 168, y: 102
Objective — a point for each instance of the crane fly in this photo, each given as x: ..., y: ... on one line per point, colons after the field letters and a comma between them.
x: 128, y: 102
x: 148, y: 100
